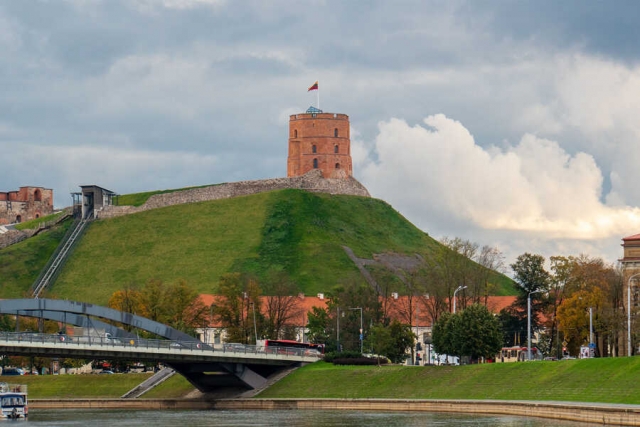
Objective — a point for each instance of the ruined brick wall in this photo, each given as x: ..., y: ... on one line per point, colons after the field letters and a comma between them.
x: 319, y: 141
x: 311, y: 181
x: 25, y: 204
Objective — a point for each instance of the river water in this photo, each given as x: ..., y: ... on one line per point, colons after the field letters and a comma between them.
x: 314, y: 418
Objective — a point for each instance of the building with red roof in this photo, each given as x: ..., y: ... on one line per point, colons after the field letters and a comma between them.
x: 418, y: 311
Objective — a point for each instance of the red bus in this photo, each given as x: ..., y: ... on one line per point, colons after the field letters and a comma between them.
x: 293, y: 347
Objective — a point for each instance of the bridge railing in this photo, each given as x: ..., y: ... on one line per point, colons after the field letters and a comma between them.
x: 62, y: 339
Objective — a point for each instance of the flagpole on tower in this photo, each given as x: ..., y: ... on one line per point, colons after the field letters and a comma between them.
x: 315, y: 87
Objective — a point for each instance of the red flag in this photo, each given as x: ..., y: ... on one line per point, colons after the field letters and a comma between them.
x: 313, y: 87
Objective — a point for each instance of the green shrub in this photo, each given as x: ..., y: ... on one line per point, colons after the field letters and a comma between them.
x: 360, y: 361
x: 331, y: 356
x: 352, y: 358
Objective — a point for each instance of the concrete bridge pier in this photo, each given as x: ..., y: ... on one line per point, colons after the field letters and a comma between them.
x: 212, y: 377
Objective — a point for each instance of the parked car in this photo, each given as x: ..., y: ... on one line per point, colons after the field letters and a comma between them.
x: 235, y: 347
x: 12, y: 371
x: 106, y: 371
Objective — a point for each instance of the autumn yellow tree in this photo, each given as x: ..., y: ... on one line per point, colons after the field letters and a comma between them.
x: 573, y: 316
x: 128, y: 300
x: 184, y: 309
x: 177, y: 305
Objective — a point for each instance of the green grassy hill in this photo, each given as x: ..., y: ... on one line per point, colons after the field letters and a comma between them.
x: 288, y: 232
x: 20, y: 264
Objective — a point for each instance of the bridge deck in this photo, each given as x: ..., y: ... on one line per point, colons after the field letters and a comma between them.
x: 53, y: 345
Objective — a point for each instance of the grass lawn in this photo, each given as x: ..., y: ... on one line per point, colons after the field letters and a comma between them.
x: 20, y: 264
x: 35, y: 223
x: 78, y: 386
x: 609, y: 380
x: 175, y: 387
x: 98, y: 386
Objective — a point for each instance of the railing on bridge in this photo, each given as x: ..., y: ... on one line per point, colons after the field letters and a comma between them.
x: 67, y: 340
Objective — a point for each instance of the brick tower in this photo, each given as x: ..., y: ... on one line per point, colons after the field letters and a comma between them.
x: 319, y: 140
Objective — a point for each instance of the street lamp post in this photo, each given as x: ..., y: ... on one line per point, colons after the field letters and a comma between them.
x: 459, y: 288
x: 209, y: 338
x: 338, y: 330
x: 361, y: 330
x: 255, y: 329
x: 529, y: 323
x: 590, y: 326
x: 629, y: 313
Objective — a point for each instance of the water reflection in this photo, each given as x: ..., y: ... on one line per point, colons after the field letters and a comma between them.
x: 111, y: 418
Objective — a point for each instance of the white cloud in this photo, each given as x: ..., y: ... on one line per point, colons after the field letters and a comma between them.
x: 534, y: 188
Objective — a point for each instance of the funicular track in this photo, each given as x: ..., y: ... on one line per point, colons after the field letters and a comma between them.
x: 51, y: 271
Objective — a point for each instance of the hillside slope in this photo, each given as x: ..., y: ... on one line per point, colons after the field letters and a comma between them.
x: 21, y: 263
x: 291, y: 233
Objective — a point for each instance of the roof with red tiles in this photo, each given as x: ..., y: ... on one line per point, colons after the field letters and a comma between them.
x: 397, y: 308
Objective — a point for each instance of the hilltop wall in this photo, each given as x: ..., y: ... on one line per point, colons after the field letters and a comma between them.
x: 25, y: 204
x: 311, y: 181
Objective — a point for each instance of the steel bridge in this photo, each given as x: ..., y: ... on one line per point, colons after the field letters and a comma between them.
x: 208, y: 368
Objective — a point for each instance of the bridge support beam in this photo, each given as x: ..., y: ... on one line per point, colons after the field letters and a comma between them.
x: 245, y: 374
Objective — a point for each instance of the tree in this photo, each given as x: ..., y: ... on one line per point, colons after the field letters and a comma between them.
x: 533, y: 280
x: 529, y: 273
x: 177, y: 305
x: 153, y: 298
x: 349, y: 298
x: 490, y: 260
x: 513, y: 326
x: 573, y: 318
x: 473, y: 332
x: 282, y: 309
x: 391, y: 341
x: 479, y: 334
x: 380, y: 340
x: 402, y: 339
x: 561, y: 278
x: 186, y: 311
x: 127, y: 300
x: 319, y: 324
x: 443, y: 334
x: 239, y: 297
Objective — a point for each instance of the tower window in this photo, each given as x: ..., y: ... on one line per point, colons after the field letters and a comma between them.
x: 335, y: 132
x: 335, y: 148
x: 314, y: 149
x: 337, y: 165
x: 295, y: 133
x: 37, y: 196
x: 315, y: 163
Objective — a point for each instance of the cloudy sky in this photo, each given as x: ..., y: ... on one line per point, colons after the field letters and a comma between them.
x: 513, y: 124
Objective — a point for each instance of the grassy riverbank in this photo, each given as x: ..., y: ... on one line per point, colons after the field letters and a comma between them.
x: 611, y: 380
x: 98, y: 386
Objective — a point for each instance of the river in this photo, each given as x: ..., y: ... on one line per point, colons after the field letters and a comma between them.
x: 314, y: 418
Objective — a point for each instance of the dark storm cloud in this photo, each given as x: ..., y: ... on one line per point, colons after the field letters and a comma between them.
x: 600, y: 27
